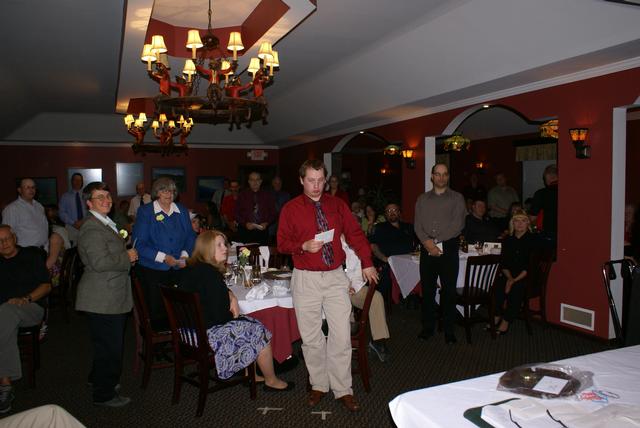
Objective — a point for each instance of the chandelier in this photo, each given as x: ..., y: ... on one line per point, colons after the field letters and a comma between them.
x: 549, y: 129
x: 224, y: 99
x: 456, y: 143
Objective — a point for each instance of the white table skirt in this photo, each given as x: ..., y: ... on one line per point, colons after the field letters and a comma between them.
x: 406, y: 269
x: 617, y: 371
x: 248, y: 306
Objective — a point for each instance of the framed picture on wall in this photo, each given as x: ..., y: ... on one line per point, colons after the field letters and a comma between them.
x: 46, y: 189
x: 88, y: 175
x: 176, y: 174
x: 206, y: 186
x: 127, y: 176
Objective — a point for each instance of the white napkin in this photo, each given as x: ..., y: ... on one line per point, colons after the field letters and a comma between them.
x: 354, y: 267
x: 258, y: 292
x: 279, y: 289
x: 264, y: 258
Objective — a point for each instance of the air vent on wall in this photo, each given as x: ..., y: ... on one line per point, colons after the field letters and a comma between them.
x: 578, y: 317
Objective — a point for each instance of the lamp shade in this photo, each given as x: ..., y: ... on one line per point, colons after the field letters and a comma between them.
x: 142, y: 117
x: 157, y: 45
x: 265, y: 51
x: 274, y: 61
x: 147, y: 55
x: 162, y: 118
x: 578, y: 134
x: 189, y: 67
x: 235, y: 41
x: 407, y: 153
x: 254, y: 65
x: 193, y: 39
x: 224, y: 65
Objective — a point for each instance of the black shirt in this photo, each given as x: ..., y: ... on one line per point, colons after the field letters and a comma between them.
x: 206, y: 280
x: 479, y: 230
x: 22, y: 273
x: 516, y: 252
x: 546, y: 200
x: 393, y: 240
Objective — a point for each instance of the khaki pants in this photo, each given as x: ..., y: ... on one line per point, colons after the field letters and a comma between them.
x: 377, y: 315
x: 328, y: 360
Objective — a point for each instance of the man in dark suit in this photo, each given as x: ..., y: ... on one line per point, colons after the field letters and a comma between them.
x: 104, y: 292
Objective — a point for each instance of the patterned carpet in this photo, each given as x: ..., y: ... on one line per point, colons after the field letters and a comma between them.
x: 414, y: 364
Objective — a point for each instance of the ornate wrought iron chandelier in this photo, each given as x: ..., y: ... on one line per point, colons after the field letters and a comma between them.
x: 456, y: 143
x: 225, y: 98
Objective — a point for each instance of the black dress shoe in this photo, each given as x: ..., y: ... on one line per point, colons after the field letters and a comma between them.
x: 425, y: 335
x: 450, y: 339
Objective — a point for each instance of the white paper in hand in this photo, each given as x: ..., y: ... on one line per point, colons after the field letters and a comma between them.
x: 325, y: 237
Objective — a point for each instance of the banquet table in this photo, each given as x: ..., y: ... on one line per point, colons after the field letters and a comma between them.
x: 277, y: 314
x: 405, y: 269
x: 617, y: 372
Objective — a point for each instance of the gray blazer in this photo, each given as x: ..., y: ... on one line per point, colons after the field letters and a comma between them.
x: 105, y: 286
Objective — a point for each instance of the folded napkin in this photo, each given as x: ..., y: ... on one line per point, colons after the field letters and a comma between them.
x: 258, y: 292
x: 279, y: 289
x: 264, y: 257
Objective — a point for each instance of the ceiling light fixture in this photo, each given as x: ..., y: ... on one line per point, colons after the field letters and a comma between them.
x: 391, y: 150
x: 225, y: 98
x: 456, y: 143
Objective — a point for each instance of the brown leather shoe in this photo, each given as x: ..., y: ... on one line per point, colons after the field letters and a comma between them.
x: 349, y: 403
x: 315, y: 397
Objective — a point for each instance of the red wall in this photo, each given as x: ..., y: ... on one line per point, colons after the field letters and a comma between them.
x: 584, y: 219
x: 54, y: 161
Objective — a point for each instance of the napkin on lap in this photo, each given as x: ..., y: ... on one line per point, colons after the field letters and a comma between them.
x: 258, y: 292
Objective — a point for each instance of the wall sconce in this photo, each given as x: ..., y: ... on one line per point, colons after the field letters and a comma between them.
x: 480, y: 166
x: 579, y: 140
x: 409, y: 157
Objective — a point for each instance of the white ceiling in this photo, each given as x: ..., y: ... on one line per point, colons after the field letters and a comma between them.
x: 350, y: 65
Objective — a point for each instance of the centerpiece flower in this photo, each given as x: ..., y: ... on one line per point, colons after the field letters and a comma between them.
x: 243, y: 256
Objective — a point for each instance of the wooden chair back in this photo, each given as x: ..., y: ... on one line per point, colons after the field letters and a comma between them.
x: 479, y: 276
x: 608, y: 275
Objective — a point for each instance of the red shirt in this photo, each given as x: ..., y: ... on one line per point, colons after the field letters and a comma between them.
x: 228, y: 208
x: 340, y: 194
x: 298, y: 224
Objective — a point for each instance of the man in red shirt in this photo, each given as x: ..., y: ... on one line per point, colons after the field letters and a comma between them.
x: 228, y: 208
x: 319, y: 282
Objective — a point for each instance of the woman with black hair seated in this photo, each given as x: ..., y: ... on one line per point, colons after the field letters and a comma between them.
x: 237, y: 340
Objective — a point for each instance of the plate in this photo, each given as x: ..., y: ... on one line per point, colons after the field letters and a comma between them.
x: 522, y: 380
x: 278, y: 274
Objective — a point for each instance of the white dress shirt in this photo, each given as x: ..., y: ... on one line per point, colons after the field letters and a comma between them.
x: 134, y: 204
x: 28, y: 221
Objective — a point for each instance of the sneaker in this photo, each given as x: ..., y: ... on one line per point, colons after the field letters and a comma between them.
x: 117, y: 401
x: 380, y: 350
x: 6, y: 397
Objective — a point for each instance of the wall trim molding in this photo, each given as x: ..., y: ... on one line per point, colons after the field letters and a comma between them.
x: 193, y: 146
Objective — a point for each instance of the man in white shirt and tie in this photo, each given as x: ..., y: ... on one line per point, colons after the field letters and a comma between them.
x: 141, y: 198
x: 72, y: 209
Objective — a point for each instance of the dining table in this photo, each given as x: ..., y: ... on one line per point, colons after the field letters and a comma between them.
x: 614, y: 379
x: 276, y: 313
x: 405, y: 273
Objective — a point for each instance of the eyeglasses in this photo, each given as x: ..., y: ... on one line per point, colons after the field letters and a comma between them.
x: 102, y: 197
x: 392, y: 210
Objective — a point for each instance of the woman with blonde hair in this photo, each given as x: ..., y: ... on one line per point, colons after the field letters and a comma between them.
x: 510, y: 286
x: 237, y: 340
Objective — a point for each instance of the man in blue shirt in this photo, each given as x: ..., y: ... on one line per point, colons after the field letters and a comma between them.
x: 71, y: 208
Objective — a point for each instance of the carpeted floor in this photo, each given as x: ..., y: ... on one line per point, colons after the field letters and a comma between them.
x: 414, y: 364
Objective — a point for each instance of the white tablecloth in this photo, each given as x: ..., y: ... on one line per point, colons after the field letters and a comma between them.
x: 617, y: 371
x: 406, y: 269
x: 248, y: 306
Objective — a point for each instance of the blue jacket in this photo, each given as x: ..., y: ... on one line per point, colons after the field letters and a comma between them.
x: 171, y: 235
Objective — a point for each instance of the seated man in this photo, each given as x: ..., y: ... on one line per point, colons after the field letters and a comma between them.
x: 358, y: 293
x: 391, y: 238
x: 478, y: 227
x: 24, y: 280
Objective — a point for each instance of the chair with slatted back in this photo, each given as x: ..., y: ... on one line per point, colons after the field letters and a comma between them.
x: 153, y: 346
x: 359, y: 342
x: 478, y: 290
x: 190, y: 344
x: 538, y: 271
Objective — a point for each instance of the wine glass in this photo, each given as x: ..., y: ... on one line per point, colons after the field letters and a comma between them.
x: 478, y: 246
x: 228, y: 276
x: 256, y: 275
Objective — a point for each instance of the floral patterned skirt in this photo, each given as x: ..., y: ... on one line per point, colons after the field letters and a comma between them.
x: 237, y: 343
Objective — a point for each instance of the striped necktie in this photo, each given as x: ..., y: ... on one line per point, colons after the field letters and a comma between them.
x: 323, y: 226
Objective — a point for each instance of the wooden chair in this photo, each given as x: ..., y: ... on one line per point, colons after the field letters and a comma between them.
x: 29, y: 345
x: 151, y: 344
x: 536, y: 285
x: 190, y: 343
x: 609, y: 274
x: 69, y: 278
x: 278, y: 260
x: 478, y: 290
x: 359, y: 341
